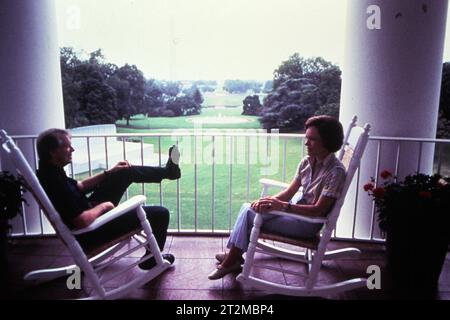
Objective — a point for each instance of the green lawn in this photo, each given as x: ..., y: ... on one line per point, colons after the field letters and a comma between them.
x: 222, y: 170
x: 225, y: 212
x: 142, y: 122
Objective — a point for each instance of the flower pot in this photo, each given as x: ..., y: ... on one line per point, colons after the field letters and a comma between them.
x: 415, y: 256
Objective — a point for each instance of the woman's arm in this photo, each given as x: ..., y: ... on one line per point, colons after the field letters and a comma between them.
x: 283, y: 196
x: 289, y: 192
x: 323, y: 205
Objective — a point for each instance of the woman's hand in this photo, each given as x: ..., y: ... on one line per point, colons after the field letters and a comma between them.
x: 268, y: 204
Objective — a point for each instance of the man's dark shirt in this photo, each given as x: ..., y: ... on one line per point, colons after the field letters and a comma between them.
x: 63, y: 192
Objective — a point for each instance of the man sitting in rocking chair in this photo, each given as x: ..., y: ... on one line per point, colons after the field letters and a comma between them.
x: 78, y: 210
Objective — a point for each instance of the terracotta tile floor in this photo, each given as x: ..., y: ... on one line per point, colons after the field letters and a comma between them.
x: 188, y: 279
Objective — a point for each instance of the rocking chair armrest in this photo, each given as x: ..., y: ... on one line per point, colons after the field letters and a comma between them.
x: 274, y: 183
x: 122, y: 208
x: 299, y: 217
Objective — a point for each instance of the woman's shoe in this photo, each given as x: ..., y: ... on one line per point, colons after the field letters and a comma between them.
x: 221, y: 272
x: 222, y: 255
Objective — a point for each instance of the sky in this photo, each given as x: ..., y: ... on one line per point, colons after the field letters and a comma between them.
x: 206, y: 39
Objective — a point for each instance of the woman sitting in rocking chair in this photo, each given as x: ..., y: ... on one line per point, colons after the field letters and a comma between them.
x: 321, y: 176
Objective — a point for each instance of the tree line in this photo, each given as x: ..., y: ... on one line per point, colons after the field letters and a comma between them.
x: 301, y: 88
x: 97, y: 92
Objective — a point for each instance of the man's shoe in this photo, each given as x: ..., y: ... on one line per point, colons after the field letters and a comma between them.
x: 174, y: 154
x: 221, y: 272
x: 150, y: 263
x: 172, y: 163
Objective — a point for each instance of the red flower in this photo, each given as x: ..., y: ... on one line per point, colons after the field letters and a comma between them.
x: 379, y: 192
x: 368, y: 187
x: 385, y: 174
x: 425, y: 194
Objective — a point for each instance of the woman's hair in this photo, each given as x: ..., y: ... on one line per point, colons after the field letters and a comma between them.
x: 330, y: 130
x: 50, y: 140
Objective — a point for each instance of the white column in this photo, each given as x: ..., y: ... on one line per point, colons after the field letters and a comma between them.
x: 391, y: 79
x: 30, y: 77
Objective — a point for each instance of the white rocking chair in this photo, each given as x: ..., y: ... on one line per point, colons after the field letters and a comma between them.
x: 355, y: 141
x: 97, y: 259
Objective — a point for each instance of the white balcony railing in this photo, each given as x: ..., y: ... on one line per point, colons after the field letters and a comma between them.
x: 220, y: 171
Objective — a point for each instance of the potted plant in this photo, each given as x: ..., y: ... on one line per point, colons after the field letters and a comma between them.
x: 11, y: 191
x: 414, y: 214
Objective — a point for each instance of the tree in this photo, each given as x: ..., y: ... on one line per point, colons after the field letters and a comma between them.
x: 300, y: 87
x: 197, y: 96
x: 153, y: 99
x: 129, y: 83
x: 68, y: 62
x: 194, y: 93
x: 443, y: 127
x: 87, y: 97
x: 331, y: 109
x: 289, y: 69
x: 171, y: 89
x: 241, y: 86
x: 444, y: 101
x: 181, y: 106
x: 252, y: 106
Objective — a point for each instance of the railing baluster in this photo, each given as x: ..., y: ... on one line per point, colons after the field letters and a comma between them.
x: 230, y: 183
x: 89, y: 155
x: 376, y: 183
x: 358, y: 176
x: 159, y: 161
x: 284, y: 158
x: 125, y: 158
x: 439, y: 158
x: 419, y: 160
x: 41, y: 215
x: 248, y: 169
x: 178, y: 196
x: 24, y: 216
x: 142, y: 161
x: 212, y: 185
x: 397, y: 159
x: 195, y: 185
x: 106, y: 153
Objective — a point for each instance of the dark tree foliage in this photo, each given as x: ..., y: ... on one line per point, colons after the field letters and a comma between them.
x: 300, y: 88
x: 252, y: 106
x: 88, y: 99
x: 97, y: 92
x: 331, y: 109
x: 444, y: 102
x: 242, y: 86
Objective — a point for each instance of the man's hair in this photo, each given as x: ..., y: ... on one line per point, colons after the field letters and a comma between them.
x: 330, y: 130
x: 48, y: 141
